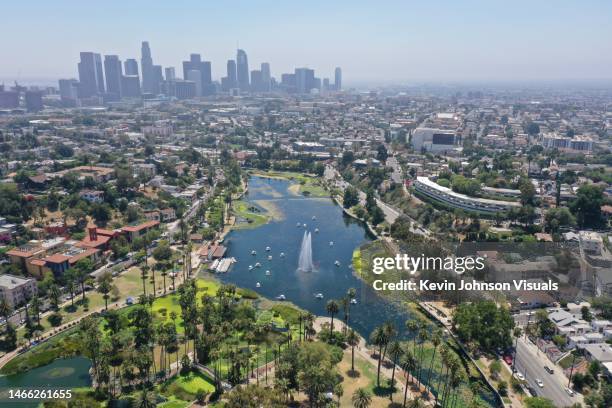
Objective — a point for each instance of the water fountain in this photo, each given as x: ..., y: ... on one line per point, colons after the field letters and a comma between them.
x: 305, y: 260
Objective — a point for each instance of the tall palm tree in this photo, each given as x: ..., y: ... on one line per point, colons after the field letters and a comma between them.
x: 412, y: 327
x: 378, y: 338
x: 423, y: 336
x: 517, y: 333
x: 352, y: 339
x: 436, y: 339
x: 143, y: 277
x: 395, y: 350
x: 332, y: 309
x: 390, y: 333
x: 36, y: 304
x: 444, y: 354
x: 361, y: 398
x: 409, y: 365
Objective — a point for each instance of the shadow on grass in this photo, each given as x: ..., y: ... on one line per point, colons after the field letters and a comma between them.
x: 353, y: 373
x: 381, y: 391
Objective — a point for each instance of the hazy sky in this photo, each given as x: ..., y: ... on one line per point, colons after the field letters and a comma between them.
x: 374, y: 41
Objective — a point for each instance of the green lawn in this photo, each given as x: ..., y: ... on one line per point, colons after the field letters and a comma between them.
x: 253, y: 218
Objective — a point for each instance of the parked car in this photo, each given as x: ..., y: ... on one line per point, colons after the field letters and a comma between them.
x: 520, y: 376
x: 569, y: 391
x: 540, y: 383
x: 508, y: 359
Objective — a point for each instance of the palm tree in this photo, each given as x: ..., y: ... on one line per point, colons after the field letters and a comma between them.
x: 352, y: 339
x: 104, y: 287
x: 395, y: 350
x: 436, y: 339
x: 143, y: 276
x: 517, y: 333
x: 409, y: 365
x: 444, y: 354
x: 390, y: 333
x: 36, y: 304
x: 361, y: 398
x: 146, y: 399
x: 378, y: 339
x: 164, y: 273
x: 423, y: 336
x: 332, y: 309
x: 412, y: 326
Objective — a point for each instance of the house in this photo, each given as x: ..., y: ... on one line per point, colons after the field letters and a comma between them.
x: 136, y: 231
x: 15, y: 289
x: 98, y: 238
x: 168, y: 214
x: 92, y: 196
x: 152, y: 215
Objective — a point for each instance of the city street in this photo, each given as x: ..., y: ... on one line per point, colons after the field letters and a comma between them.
x: 530, y: 362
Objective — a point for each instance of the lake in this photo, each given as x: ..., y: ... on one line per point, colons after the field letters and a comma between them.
x: 282, y: 235
x: 68, y: 373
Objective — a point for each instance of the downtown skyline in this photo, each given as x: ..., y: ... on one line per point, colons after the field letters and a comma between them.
x: 392, y: 42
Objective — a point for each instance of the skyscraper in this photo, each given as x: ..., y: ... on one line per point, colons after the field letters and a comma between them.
x: 33, y: 100
x: 170, y: 74
x: 242, y: 70
x: 131, y: 67
x: 232, y: 78
x: 338, y: 79
x: 68, y: 89
x: 304, y: 80
x: 195, y: 76
x: 113, y: 73
x: 195, y: 63
x: 130, y: 86
x: 146, y: 64
x: 90, y: 75
x: 256, y: 81
x: 158, y: 77
x: 266, y: 79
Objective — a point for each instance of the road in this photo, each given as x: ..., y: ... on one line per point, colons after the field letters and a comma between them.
x: 530, y: 362
x: 391, y: 214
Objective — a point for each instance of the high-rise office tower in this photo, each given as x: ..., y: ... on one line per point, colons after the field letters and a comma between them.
x: 130, y: 86
x: 195, y: 63
x: 195, y: 76
x: 33, y: 100
x: 146, y: 64
x: 242, y: 70
x: 68, y: 89
x: 131, y: 67
x: 266, y: 78
x: 90, y: 75
x: 113, y: 73
x: 326, y: 84
x: 256, y: 81
x: 338, y: 79
x: 304, y: 80
x: 158, y: 78
x: 232, y: 78
x: 170, y: 74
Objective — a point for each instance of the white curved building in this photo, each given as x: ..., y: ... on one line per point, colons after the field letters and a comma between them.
x: 447, y: 196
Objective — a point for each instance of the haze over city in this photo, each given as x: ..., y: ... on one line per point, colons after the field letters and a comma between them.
x: 391, y: 42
